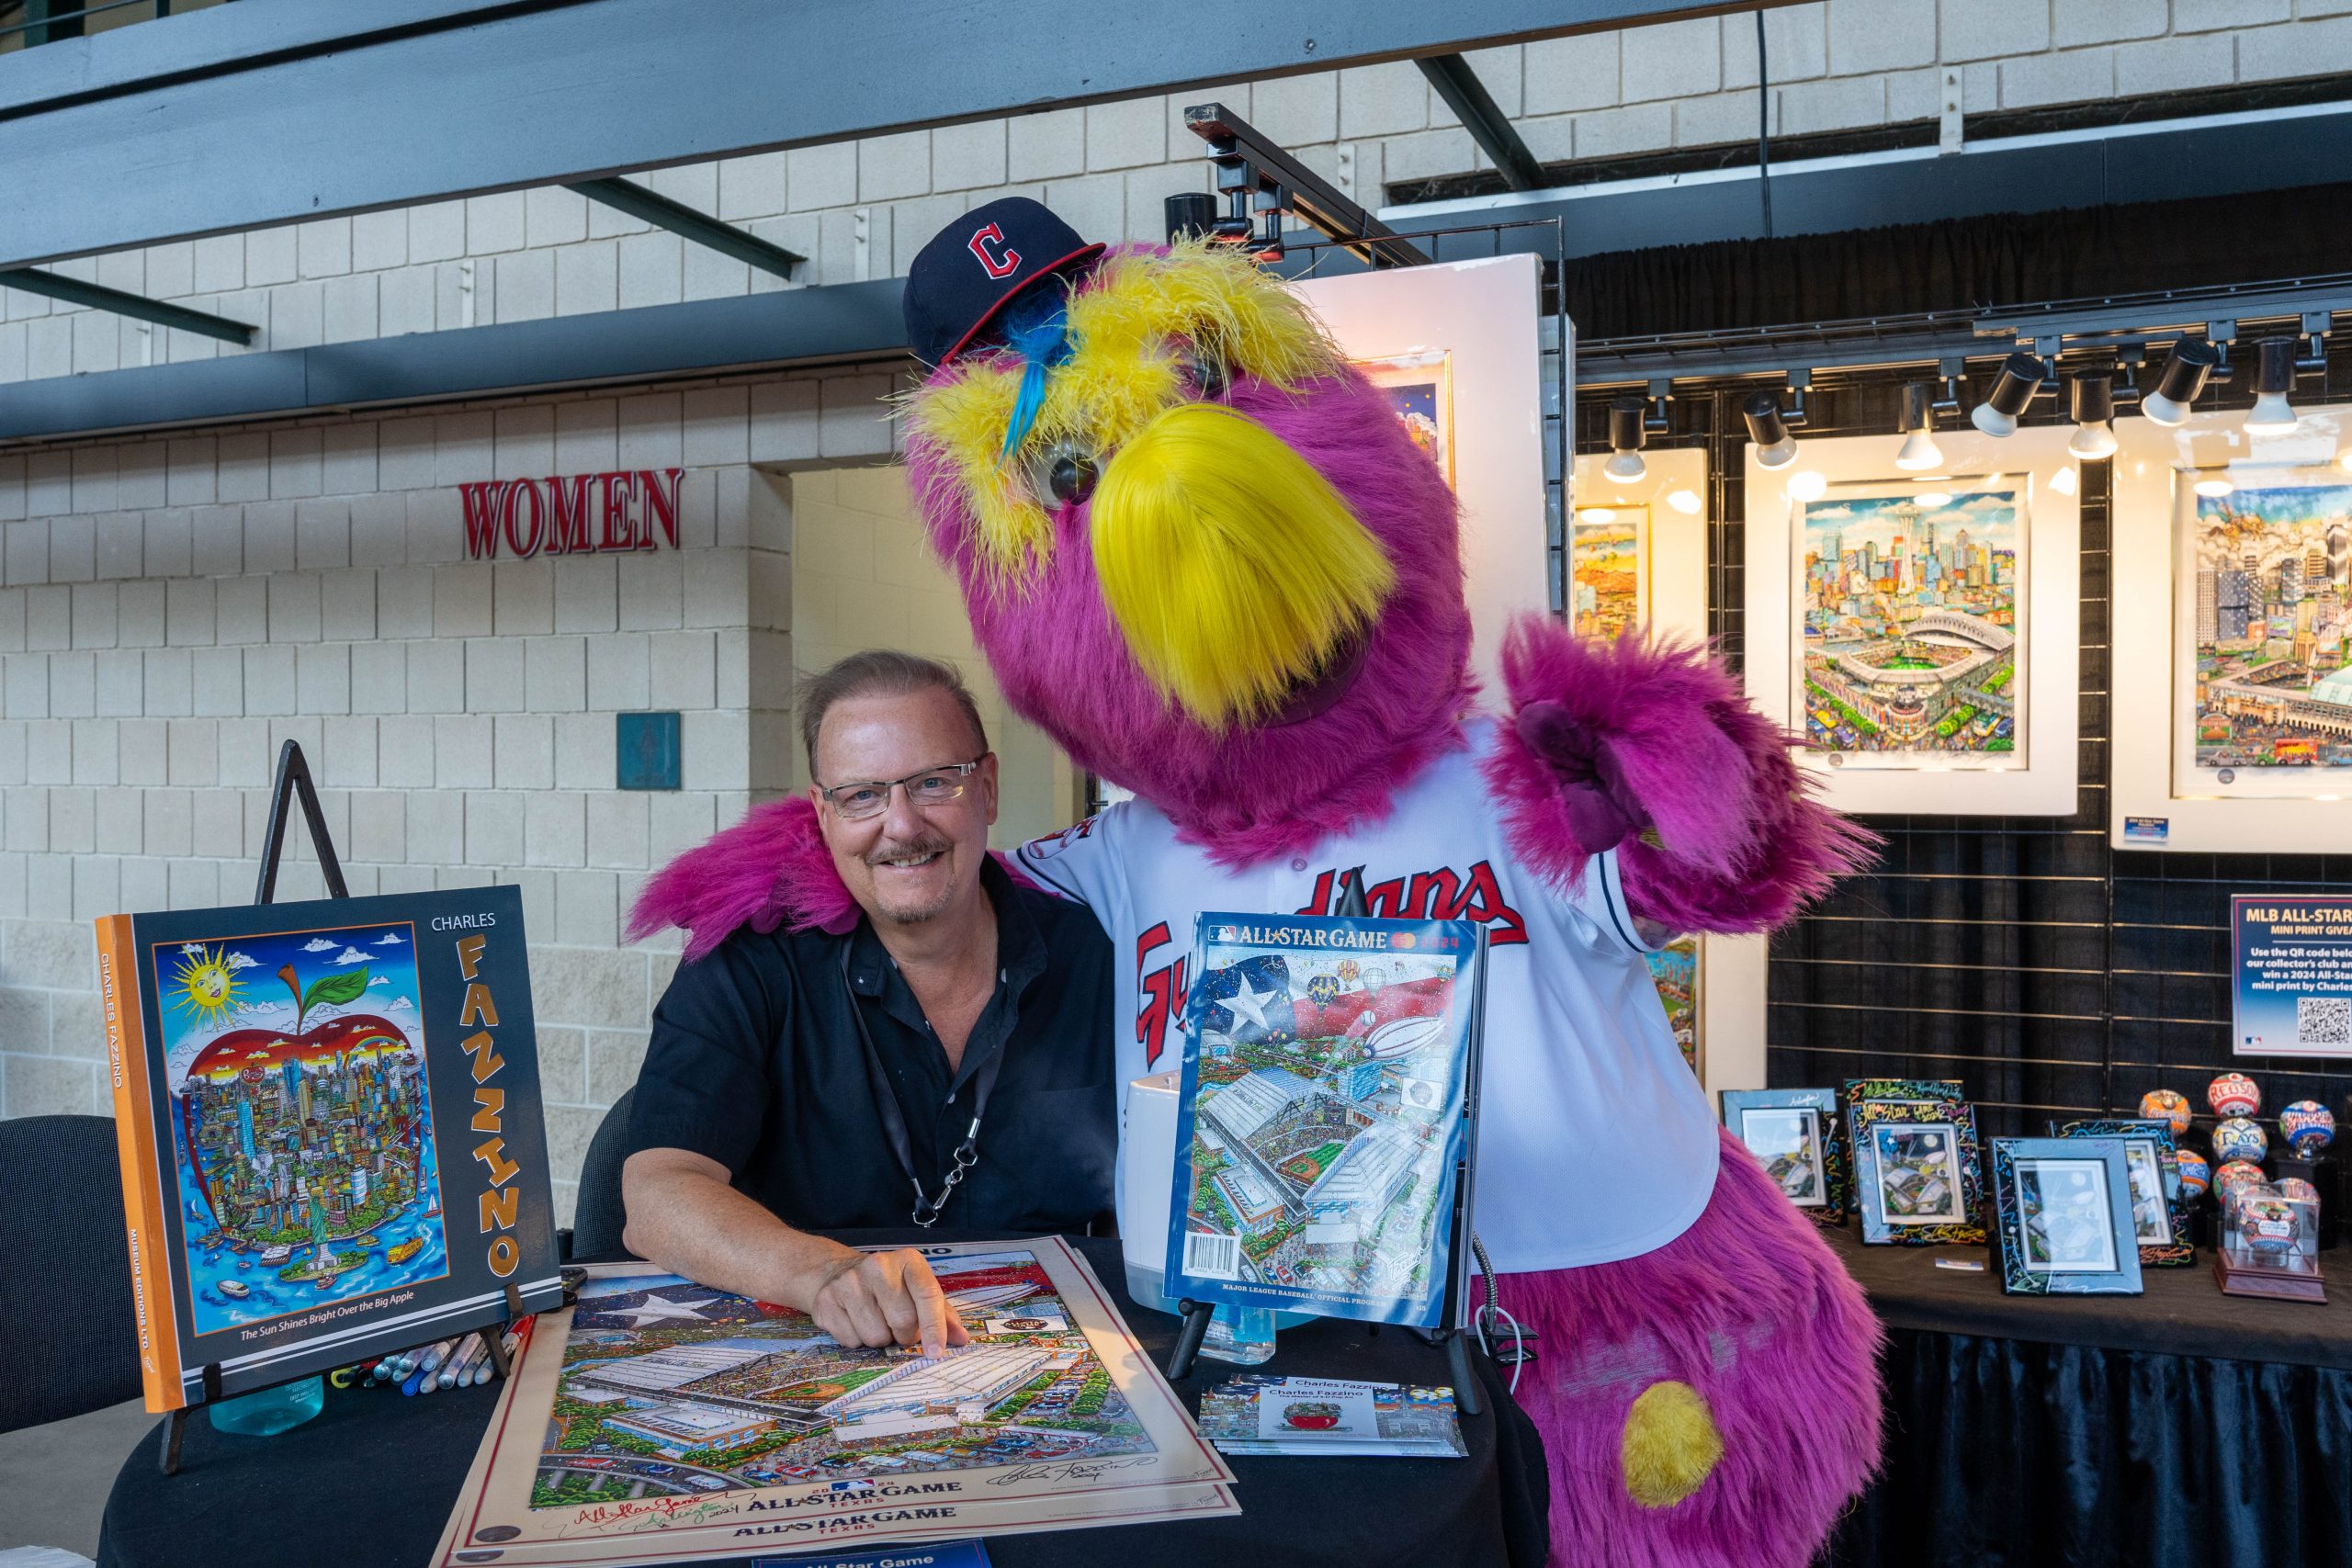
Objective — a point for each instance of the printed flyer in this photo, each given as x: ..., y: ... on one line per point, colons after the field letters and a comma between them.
x: 2290, y: 959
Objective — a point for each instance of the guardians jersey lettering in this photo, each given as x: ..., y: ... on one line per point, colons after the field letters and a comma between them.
x: 1577, y: 1047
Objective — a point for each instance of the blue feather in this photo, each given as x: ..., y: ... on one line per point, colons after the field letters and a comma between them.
x: 1038, y: 329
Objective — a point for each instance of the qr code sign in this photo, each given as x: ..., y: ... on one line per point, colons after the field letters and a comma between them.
x: 2323, y: 1021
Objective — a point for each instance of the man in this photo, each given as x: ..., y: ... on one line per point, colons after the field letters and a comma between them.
x: 947, y: 1059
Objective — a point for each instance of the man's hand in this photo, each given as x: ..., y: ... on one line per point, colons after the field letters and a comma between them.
x: 884, y: 1298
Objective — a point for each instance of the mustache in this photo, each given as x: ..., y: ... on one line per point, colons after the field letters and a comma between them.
x: 929, y: 843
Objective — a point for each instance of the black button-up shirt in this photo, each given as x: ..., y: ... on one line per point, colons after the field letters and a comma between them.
x: 757, y: 1063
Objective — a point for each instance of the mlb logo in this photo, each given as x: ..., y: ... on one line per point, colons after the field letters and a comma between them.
x: 860, y: 1485
x: 1226, y: 933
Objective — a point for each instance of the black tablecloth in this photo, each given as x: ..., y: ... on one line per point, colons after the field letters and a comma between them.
x: 371, y: 1481
x: 2179, y: 1427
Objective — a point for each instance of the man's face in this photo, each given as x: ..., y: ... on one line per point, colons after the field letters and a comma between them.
x: 905, y: 863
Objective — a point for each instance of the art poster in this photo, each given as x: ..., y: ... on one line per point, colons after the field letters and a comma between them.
x: 1912, y: 642
x: 1608, y: 576
x: 1420, y: 386
x: 1675, y: 969
x: 2263, y: 678
x: 659, y: 1420
x: 301, y: 1119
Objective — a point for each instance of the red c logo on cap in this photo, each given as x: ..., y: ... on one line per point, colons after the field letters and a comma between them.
x: 999, y: 261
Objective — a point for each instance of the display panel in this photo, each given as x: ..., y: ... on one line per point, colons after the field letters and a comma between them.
x: 1920, y: 630
x: 2232, y: 636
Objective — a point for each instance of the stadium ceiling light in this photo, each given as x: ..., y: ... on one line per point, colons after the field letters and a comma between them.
x: 2186, y: 369
x: 1775, y: 447
x: 1919, y: 448
x: 2093, y: 406
x: 2274, y: 378
x: 1625, y: 438
x: 2021, y: 376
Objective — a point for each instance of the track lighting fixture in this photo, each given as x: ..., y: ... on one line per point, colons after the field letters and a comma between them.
x: 2186, y: 371
x: 2093, y: 406
x: 2021, y: 377
x: 2274, y: 378
x: 1920, y: 449
x: 1775, y: 447
x: 1626, y: 438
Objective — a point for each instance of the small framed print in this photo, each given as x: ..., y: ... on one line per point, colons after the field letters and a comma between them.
x: 1916, y: 1177
x: 2159, y: 1206
x: 1794, y: 1135
x: 1420, y: 386
x: 2062, y: 1208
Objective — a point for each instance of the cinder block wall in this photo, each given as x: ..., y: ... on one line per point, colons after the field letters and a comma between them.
x: 174, y: 609
x: 860, y: 210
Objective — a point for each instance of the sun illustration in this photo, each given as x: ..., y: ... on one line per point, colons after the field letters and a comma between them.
x: 208, y: 987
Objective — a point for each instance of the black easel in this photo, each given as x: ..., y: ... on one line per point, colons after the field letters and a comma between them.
x: 294, y: 784
x: 1452, y: 1333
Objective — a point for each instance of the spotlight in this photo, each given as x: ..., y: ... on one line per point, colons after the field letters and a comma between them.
x: 2274, y: 378
x: 1625, y: 441
x: 2094, y: 411
x: 2186, y: 371
x: 1686, y: 501
x: 2062, y: 481
x: 2214, y: 487
x: 1920, y: 449
x: 2020, y: 378
x: 1775, y: 447
x: 1808, y: 486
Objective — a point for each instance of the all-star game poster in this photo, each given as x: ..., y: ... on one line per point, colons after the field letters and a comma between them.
x: 341, y: 1136
x: 1321, y: 1116
x: 2291, y: 963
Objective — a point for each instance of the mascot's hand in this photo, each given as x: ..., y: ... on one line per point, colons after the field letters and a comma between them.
x: 1602, y: 808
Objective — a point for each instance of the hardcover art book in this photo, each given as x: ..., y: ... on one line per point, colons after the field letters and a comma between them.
x: 657, y: 1420
x: 1322, y: 1122
x: 328, y: 1119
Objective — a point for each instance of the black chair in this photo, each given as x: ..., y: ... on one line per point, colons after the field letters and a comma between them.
x: 598, y: 1216
x: 69, y: 1337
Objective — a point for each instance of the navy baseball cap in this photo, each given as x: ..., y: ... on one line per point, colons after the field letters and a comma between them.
x: 971, y: 269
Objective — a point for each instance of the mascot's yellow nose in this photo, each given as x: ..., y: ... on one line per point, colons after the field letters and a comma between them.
x: 1231, y: 565
x: 1671, y: 1445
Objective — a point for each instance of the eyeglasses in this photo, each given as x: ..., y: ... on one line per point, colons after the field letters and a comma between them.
x: 933, y: 787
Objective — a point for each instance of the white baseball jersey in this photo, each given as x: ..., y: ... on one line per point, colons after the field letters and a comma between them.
x: 1594, y: 1139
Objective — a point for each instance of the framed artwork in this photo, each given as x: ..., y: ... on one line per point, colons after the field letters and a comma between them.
x: 1917, y: 1181
x: 2233, y: 637
x: 1457, y: 347
x: 2159, y: 1206
x: 2063, y: 1209
x: 1420, y: 386
x: 1794, y: 1135
x: 1676, y: 970
x: 1920, y: 631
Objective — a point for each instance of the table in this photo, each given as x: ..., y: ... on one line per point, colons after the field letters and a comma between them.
x: 2181, y: 1426
x: 371, y: 1480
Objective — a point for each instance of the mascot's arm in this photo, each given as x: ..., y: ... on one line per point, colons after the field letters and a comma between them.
x: 771, y: 869
x: 1652, y: 751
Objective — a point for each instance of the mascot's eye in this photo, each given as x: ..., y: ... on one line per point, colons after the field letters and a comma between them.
x: 1210, y: 375
x: 1071, y: 479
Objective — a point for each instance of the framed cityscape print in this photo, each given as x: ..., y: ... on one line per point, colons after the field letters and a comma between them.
x: 2063, y: 1211
x: 2159, y: 1204
x: 1920, y: 631
x: 1917, y: 1181
x: 1794, y: 1135
x: 1676, y: 969
x: 1458, y: 348
x: 2232, y: 636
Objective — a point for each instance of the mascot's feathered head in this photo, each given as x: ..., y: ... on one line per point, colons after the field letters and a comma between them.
x: 1196, y: 547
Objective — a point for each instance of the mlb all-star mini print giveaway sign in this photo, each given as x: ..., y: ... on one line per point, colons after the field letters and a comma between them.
x: 2291, y: 958
x: 1204, y: 555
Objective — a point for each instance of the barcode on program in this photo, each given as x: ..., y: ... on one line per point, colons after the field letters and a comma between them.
x: 2323, y: 1021
x: 1213, y: 1257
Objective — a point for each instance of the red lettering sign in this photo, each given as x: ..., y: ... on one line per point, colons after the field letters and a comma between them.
x: 550, y: 516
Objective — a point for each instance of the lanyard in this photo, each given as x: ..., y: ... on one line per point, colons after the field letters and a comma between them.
x: 894, y: 1120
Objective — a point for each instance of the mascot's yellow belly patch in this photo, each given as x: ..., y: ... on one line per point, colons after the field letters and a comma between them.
x: 1671, y: 1445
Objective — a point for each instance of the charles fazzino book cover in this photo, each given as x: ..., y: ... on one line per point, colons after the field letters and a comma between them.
x: 329, y: 1125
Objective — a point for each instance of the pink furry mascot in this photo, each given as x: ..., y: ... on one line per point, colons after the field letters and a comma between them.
x: 1205, y: 556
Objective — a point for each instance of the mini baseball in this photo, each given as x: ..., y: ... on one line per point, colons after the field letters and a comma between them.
x: 2234, y: 1094
x: 2240, y: 1138
x: 2168, y: 1106
x: 2308, y: 1127
x: 2195, y: 1174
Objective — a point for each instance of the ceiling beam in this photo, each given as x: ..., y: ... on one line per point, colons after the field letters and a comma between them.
x: 98, y: 297
x: 273, y: 111
x: 652, y: 207
x: 1491, y: 128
